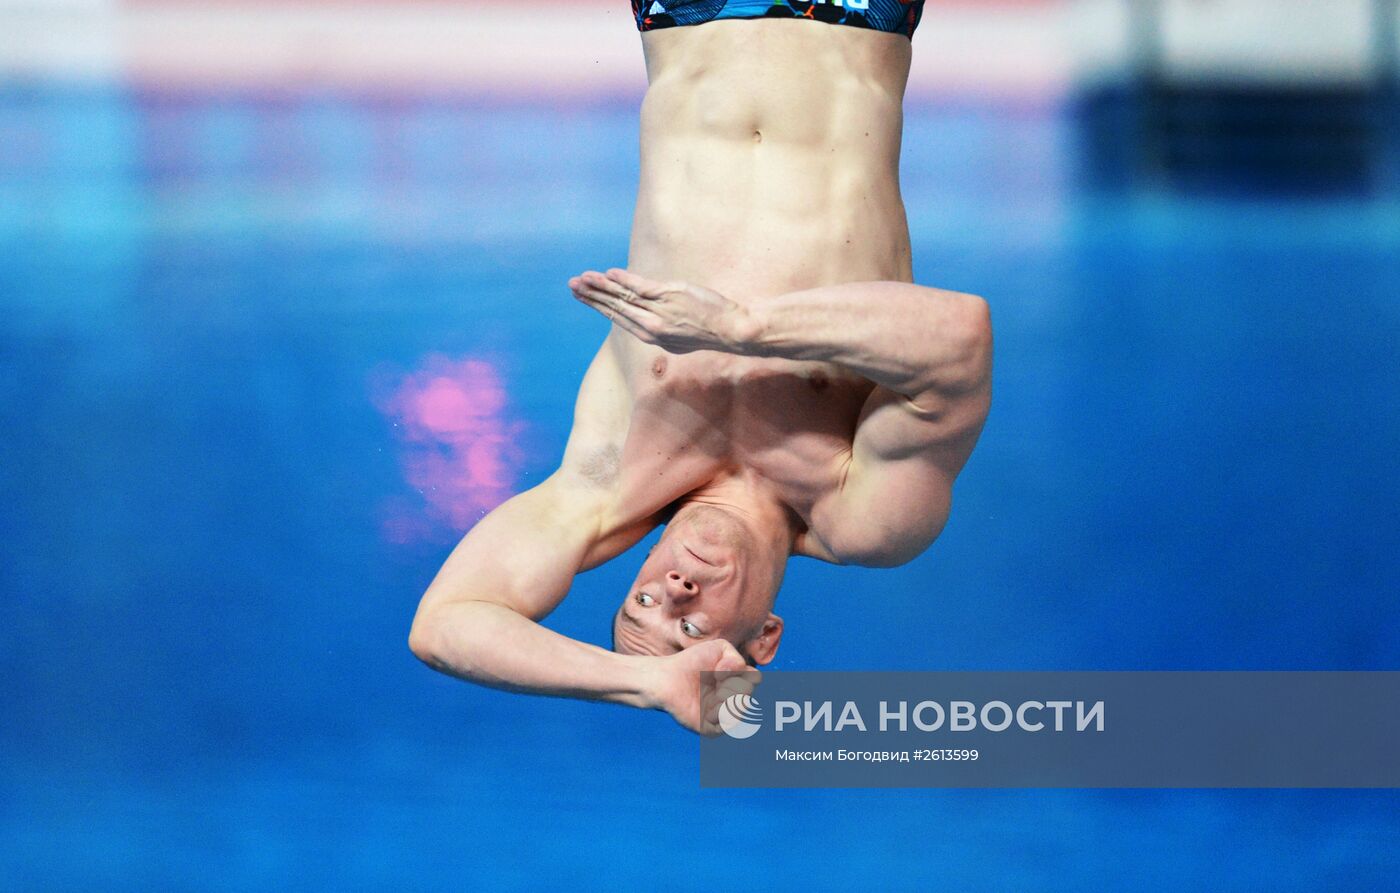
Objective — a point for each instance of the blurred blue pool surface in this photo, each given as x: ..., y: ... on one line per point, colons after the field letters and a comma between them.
x: 263, y: 358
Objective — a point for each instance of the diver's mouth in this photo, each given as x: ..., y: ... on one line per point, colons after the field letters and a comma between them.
x: 699, y: 557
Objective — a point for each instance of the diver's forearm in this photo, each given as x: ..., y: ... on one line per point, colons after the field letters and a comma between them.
x: 907, y: 337
x: 491, y: 645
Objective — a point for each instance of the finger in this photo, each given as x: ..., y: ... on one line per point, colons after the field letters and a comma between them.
x: 731, y: 663
x: 616, y: 289
x: 584, y: 280
x: 731, y: 659
x: 590, y: 300
x: 599, y: 302
x: 587, y: 292
x: 622, y: 321
x: 748, y: 677
x: 639, y: 285
x: 606, y: 291
x: 580, y: 287
x: 738, y: 685
x: 612, y: 307
x: 601, y: 299
x: 639, y: 317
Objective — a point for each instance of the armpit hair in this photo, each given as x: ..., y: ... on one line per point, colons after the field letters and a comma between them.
x: 602, y: 466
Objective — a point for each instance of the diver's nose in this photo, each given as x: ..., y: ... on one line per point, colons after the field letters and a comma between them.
x: 680, y: 587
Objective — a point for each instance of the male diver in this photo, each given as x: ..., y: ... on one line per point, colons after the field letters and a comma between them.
x: 773, y: 384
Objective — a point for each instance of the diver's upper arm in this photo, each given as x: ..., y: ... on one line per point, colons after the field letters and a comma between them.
x: 897, y: 489
x: 885, y: 516
x: 525, y: 553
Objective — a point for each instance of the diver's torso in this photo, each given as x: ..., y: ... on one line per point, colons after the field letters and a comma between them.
x: 770, y: 159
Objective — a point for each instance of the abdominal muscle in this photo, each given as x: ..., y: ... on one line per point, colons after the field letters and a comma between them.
x: 770, y: 157
x: 769, y: 164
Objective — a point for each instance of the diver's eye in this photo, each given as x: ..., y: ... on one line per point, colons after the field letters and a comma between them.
x: 645, y: 600
x: 690, y: 629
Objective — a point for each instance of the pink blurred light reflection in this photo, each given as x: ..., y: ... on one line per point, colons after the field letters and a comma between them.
x: 458, y: 446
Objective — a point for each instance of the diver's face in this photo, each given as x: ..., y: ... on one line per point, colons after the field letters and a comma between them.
x: 694, y: 586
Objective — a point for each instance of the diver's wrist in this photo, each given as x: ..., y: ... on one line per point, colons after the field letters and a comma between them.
x: 643, y: 681
x: 746, y: 326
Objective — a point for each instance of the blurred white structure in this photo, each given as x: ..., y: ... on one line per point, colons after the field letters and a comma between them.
x: 1269, y: 41
x: 1020, y: 48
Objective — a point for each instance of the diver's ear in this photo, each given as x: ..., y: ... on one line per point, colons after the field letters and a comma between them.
x: 762, y: 647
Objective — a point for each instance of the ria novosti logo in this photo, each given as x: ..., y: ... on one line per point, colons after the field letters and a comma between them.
x: 740, y: 716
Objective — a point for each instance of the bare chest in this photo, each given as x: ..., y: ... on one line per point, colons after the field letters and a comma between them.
x: 697, y: 416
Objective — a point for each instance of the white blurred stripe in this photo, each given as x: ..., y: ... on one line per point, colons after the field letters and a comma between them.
x: 479, y: 48
x: 1019, y: 50
x: 1016, y: 48
x: 484, y: 48
x: 1269, y: 40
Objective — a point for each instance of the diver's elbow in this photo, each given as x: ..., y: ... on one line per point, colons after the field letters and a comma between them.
x: 870, y: 546
x: 425, y: 639
x: 971, y: 336
x: 885, y: 556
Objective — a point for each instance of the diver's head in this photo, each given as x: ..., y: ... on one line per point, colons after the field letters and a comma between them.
x: 714, y: 574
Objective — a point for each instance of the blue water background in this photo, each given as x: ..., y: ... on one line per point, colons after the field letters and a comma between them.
x: 1191, y: 463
